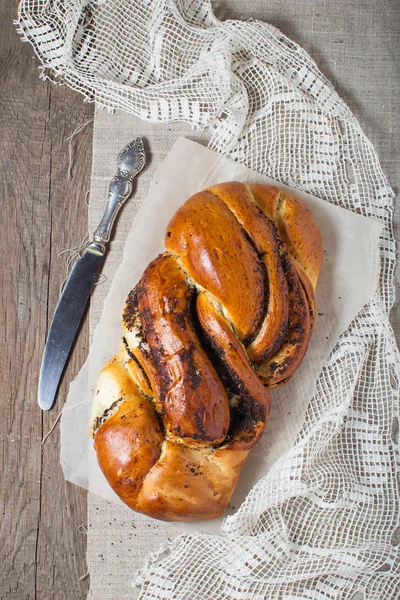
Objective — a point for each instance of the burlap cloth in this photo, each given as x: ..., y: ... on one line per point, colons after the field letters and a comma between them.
x: 356, y: 45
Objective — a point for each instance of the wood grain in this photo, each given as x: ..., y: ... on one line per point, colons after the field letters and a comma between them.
x: 42, y: 551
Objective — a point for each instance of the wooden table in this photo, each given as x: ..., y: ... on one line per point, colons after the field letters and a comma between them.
x: 42, y: 540
x: 42, y: 549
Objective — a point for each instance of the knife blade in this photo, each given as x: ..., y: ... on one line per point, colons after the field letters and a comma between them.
x: 74, y: 298
x: 66, y: 320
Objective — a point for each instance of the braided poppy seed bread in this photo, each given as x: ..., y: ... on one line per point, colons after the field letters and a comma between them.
x: 224, y: 314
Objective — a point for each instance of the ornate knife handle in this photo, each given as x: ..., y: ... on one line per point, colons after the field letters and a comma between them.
x: 131, y: 161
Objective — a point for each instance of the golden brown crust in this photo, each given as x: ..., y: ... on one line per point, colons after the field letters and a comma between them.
x: 253, y: 407
x: 281, y: 366
x: 188, y: 485
x: 134, y: 369
x: 226, y: 312
x: 296, y: 225
x: 194, y: 403
x: 216, y: 254
x: 308, y: 288
x: 114, y: 383
x: 128, y: 444
x: 263, y: 234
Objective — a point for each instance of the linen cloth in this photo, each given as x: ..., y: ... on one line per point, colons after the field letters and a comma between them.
x: 374, y: 95
x: 119, y: 540
x: 366, y: 79
x: 273, y: 557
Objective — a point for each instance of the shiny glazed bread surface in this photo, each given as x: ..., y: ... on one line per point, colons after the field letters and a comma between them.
x: 224, y: 314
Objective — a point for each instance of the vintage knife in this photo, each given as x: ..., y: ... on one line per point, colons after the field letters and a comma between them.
x: 75, y: 296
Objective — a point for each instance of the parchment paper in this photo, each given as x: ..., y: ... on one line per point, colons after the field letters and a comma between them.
x: 347, y: 282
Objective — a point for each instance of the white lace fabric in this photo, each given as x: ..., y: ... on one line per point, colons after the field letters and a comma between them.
x: 324, y: 523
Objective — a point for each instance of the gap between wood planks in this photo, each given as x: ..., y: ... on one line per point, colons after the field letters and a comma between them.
x: 47, y: 123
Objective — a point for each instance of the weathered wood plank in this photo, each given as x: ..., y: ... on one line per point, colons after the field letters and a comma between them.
x: 42, y: 553
x: 61, y: 544
x: 24, y: 241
